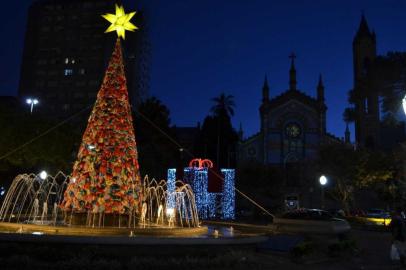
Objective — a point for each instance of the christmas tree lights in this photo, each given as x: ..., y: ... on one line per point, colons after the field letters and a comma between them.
x: 106, y: 171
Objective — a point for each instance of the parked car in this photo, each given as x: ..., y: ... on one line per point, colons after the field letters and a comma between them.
x: 377, y: 213
x: 309, y: 214
x: 311, y: 221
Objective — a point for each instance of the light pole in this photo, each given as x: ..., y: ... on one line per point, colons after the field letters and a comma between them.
x: 323, y: 182
x: 32, y: 102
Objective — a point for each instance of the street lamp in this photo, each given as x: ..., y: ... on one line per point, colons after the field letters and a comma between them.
x: 32, y: 102
x: 43, y: 175
x: 323, y: 182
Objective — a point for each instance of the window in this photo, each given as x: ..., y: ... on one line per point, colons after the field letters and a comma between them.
x: 67, y: 61
x: 78, y: 95
x: 93, y: 82
x: 45, y: 29
x: 68, y: 72
x: 82, y: 71
x: 52, y: 84
x: 41, y: 62
x: 366, y: 105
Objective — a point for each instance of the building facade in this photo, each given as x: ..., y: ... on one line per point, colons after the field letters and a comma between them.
x: 370, y: 131
x: 293, y: 125
x: 367, y: 121
x: 66, y: 53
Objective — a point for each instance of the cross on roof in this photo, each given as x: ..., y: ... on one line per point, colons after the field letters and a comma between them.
x: 292, y: 56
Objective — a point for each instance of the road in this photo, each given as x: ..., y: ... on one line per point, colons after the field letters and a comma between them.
x: 374, y: 250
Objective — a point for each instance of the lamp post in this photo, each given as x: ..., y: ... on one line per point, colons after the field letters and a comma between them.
x: 32, y: 102
x: 323, y: 182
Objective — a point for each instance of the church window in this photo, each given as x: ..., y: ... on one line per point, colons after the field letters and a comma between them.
x: 251, y: 151
x: 293, y: 130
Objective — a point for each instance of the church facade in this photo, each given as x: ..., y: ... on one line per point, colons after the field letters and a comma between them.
x: 293, y: 125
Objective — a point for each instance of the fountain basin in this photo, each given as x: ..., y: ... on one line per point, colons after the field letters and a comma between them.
x: 155, y: 231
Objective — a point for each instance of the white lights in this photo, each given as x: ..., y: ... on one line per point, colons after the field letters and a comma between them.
x: 91, y: 147
x: 43, y: 175
x: 404, y: 104
x: 171, y: 186
x: 228, y: 200
x: 323, y: 180
x: 73, y: 180
x: 37, y: 233
x: 209, y: 204
x: 32, y: 102
x: 68, y: 72
x: 170, y: 212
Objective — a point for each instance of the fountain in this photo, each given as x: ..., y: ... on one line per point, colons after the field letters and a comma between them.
x: 29, y: 195
x: 28, y: 198
x: 105, y: 194
x: 105, y: 189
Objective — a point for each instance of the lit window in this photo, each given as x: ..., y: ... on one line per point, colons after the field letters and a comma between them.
x: 66, y: 60
x: 73, y: 61
x: 68, y: 72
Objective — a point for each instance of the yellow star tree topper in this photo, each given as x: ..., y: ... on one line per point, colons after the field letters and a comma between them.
x: 120, y: 22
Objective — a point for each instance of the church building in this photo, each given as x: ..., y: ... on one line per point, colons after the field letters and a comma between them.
x: 370, y: 131
x: 293, y: 125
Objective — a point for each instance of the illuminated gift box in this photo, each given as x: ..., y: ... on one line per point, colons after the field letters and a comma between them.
x: 213, y: 189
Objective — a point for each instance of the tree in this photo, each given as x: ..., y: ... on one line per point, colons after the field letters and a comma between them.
x: 386, y: 77
x: 30, y: 143
x: 152, y: 127
x: 261, y: 182
x: 351, y: 170
x: 217, y: 141
x: 223, y: 105
x: 218, y: 138
x: 106, y: 177
x: 349, y: 115
x: 394, y: 190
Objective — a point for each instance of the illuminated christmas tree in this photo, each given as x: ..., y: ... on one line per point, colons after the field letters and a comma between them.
x: 105, y: 177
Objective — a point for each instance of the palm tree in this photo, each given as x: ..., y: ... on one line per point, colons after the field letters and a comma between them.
x: 349, y: 115
x: 224, y: 105
x: 222, y: 109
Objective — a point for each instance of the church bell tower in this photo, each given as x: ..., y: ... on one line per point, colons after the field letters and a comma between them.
x: 367, y: 120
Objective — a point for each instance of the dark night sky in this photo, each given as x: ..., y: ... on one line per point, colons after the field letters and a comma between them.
x: 201, y: 48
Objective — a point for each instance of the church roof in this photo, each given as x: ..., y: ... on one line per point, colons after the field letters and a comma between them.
x: 251, y: 138
x: 363, y: 29
x: 293, y: 95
